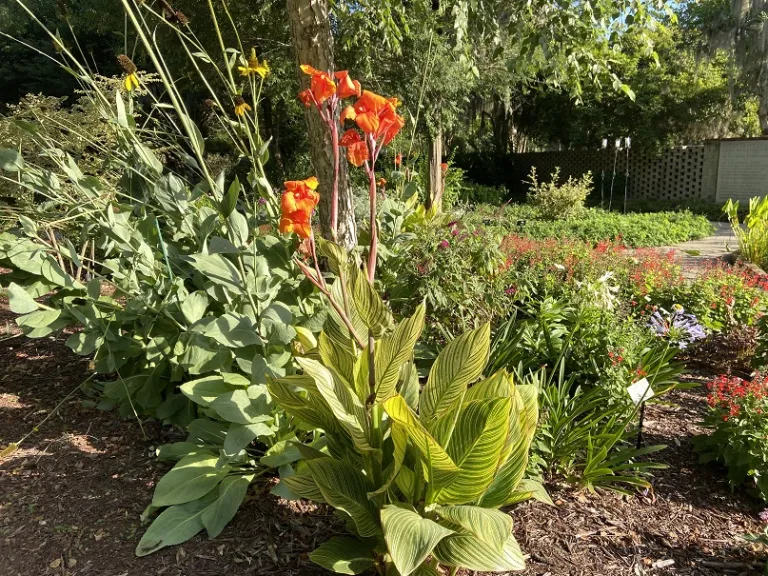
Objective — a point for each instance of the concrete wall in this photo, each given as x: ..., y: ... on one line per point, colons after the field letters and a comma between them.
x: 742, y: 169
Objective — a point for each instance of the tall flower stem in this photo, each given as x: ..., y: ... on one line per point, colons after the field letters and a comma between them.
x: 374, y: 246
x: 336, y: 169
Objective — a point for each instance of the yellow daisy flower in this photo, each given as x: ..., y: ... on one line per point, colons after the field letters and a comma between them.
x: 254, y: 67
x: 241, y: 106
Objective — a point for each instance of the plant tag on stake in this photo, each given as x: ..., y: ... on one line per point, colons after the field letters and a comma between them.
x: 641, y: 391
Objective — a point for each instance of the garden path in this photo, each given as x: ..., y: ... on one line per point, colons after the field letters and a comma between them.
x: 696, y: 255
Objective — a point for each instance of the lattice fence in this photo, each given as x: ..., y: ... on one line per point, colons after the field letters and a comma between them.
x: 675, y: 174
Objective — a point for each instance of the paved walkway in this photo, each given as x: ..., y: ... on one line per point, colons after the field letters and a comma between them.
x: 696, y: 255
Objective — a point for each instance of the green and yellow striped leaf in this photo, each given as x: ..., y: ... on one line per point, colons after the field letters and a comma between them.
x: 491, y: 526
x: 469, y: 552
x: 437, y: 464
x: 459, y: 364
x: 497, y: 386
x: 343, y: 402
x: 476, y: 447
x: 344, y: 555
x: 345, y: 488
x: 337, y: 359
x: 370, y: 307
x: 409, y: 537
x: 395, y: 350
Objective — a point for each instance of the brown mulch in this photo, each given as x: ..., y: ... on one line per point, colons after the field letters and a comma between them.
x: 71, y: 498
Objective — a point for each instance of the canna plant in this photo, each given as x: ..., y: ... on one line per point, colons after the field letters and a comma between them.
x: 418, y: 475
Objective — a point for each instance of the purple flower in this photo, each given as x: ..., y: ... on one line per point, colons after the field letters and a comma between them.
x: 262, y: 201
x: 510, y: 291
x: 763, y: 516
x: 452, y: 223
x: 455, y: 232
x: 683, y: 328
x: 444, y: 245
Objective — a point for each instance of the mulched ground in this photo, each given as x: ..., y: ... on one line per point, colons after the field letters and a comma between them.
x: 71, y: 498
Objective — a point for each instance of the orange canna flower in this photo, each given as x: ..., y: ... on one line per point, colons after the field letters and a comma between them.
x: 321, y: 85
x: 348, y: 114
x: 357, y: 148
x: 347, y: 86
x: 297, y: 203
x: 306, y: 97
x: 376, y: 115
x: 398, y: 160
x: 444, y: 167
x: 382, y: 183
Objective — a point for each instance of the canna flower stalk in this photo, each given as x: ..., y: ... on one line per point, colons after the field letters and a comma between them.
x: 325, y: 94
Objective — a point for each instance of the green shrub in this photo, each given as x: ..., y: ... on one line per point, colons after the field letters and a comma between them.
x: 587, y: 440
x: 738, y: 417
x: 753, y: 236
x: 595, y: 225
x: 556, y: 201
x: 173, y: 278
x: 418, y: 473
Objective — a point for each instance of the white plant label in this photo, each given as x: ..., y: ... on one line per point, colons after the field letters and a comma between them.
x: 641, y: 391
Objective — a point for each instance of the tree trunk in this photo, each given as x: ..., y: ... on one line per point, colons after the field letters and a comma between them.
x: 436, y: 176
x: 313, y: 44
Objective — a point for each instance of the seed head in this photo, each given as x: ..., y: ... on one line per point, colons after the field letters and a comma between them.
x: 126, y: 64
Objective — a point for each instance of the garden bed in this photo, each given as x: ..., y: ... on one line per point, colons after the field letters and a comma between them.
x: 73, y: 495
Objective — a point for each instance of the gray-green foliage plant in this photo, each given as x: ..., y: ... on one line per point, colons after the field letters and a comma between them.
x: 559, y: 201
x: 417, y: 473
x: 174, y: 282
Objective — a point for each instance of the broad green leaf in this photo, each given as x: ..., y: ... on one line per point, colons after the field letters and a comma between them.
x: 229, y: 201
x: 276, y: 324
x: 346, y: 406
x: 437, y: 464
x: 248, y: 406
x: 21, y: 302
x: 343, y: 555
x: 148, y: 157
x: 220, y: 512
x: 11, y: 160
x: 459, y: 364
x: 173, y: 526
x: 219, y: 270
x: 345, y: 488
x: 234, y: 331
x: 178, y: 450
x: 476, y: 447
x: 204, y: 390
x: 466, y: 551
x: 38, y: 319
x: 238, y: 226
x: 203, y: 355
x: 239, y: 436
x: 395, y: 350
x: 193, y: 307
x: 409, y: 537
x: 370, y: 307
x: 84, y: 343
x: 283, y: 452
x: 207, y: 431
x: 192, y: 478
x: 491, y: 526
